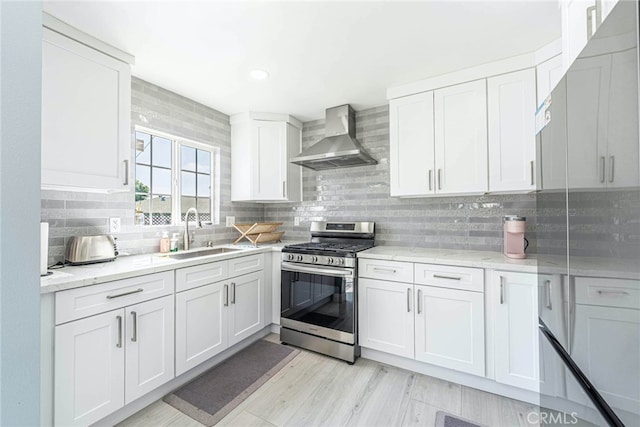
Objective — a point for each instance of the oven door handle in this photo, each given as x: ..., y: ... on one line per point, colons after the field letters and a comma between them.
x: 336, y: 272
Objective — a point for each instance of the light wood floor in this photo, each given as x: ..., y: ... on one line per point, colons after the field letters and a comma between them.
x: 315, y: 390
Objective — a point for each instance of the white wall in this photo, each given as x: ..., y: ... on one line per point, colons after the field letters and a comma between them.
x: 20, y: 80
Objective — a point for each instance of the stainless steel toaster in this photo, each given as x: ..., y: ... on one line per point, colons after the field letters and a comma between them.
x: 91, y: 249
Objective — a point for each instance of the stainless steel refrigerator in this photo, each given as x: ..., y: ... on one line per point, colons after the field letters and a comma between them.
x: 588, y: 233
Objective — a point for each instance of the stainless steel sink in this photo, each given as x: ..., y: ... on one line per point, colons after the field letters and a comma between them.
x: 206, y: 252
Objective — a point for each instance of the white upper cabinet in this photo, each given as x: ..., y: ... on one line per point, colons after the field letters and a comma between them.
x: 548, y: 74
x: 512, y: 145
x: 412, y: 145
x: 578, y: 25
x: 86, y: 103
x: 261, y: 145
x: 553, y: 142
x: 461, y: 138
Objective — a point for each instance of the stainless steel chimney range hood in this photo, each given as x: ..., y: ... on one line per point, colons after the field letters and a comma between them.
x: 339, y: 148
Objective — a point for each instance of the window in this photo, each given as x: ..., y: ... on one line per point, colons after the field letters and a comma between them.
x: 173, y: 175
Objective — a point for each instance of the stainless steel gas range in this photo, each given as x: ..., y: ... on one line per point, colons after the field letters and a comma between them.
x: 319, y: 291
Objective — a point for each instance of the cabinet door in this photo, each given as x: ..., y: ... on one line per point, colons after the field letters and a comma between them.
x: 622, y: 149
x: 450, y: 328
x: 245, y: 302
x: 270, y: 161
x: 606, y: 346
x: 550, y: 310
x: 512, y: 143
x: 548, y: 74
x: 516, y: 329
x: 587, y: 116
x: 89, y: 369
x: 461, y: 138
x: 553, y: 142
x: 149, y: 346
x: 385, y: 316
x: 578, y: 24
x: 411, y: 155
x: 201, y: 325
x: 86, y: 99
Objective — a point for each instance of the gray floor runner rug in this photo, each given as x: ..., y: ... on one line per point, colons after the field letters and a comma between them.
x: 211, y: 396
x: 448, y: 420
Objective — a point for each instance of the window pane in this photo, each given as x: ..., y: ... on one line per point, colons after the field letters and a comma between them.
x: 161, y: 181
x: 188, y: 158
x: 204, y: 185
x: 161, y: 152
x: 160, y: 210
x: 143, y: 178
x: 204, y: 208
x: 185, y: 204
x: 188, y: 180
x: 143, y: 209
x: 143, y: 148
x: 204, y: 161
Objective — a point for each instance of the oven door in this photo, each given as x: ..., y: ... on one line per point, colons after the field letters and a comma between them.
x: 319, y: 301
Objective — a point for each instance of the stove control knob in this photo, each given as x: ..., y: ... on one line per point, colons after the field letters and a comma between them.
x: 299, y: 258
x: 290, y: 257
x: 330, y: 260
x: 341, y: 261
x: 314, y: 259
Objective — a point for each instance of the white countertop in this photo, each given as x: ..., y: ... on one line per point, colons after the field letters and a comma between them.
x: 580, y: 266
x: 136, y: 265
x: 124, y: 267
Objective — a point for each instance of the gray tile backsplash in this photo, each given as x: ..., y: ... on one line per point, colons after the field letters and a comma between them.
x: 77, y: 213
x: 360, y: 193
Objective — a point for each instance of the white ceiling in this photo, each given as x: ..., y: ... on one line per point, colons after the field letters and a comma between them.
x: 319, y: 54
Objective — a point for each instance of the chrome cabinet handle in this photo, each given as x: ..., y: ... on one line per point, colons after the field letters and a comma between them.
x: 611, y: 165
x: 125, y: 294
x: 385, y: 270
x: 284, y: 188
x: 134, y: 335
x: 548, y: 283
x: 602, y: 160
x: 226, y: 295
x: 439, y: 179
x: 501, y: 290
x: 430, y: 179
x: 119, y: 343
x: 233, y: 293
x: 439, y: 276
x: 419, y: 299
x: 606, y: 292
x: 532, y: 172
x: 126, y: 172
x: 408, y: 300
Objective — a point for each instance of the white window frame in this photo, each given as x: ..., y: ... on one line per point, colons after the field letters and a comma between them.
x: 176, y: 143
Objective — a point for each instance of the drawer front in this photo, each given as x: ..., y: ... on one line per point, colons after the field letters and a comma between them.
x: 607, y: 292
x: 394, y: 271
x: 200, y: 275
x: 246, y: 264
x: 446, y: 276
x: 89, y: 300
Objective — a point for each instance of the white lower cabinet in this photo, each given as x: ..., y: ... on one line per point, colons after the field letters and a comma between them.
x: 449, y: 328
x: 516, y: 329
x: 105, y: 361
x: 442, y: 325
x: 386, y: 317
x: 213, y: 317
x: 201, y: 325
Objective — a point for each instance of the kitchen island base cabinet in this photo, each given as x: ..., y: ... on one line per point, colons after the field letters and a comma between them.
x: 386, y: 317
x: 449, y: 328
x: 108, y: 360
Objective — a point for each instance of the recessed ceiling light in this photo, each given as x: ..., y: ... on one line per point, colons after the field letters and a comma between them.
x: 258, y: 74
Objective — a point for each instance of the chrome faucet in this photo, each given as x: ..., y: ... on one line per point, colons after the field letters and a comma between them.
x: 187, y: 238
